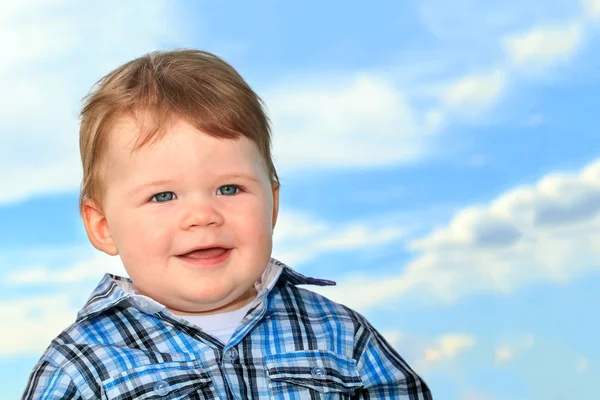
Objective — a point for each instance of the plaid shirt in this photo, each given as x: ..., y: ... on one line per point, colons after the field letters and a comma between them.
x: 292, y: 344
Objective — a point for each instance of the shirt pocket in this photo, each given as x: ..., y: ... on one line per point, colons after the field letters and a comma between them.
x: 312, y: 374
x: 169, y: 380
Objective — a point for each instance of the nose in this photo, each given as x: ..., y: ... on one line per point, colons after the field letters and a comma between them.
x: 201, y: 213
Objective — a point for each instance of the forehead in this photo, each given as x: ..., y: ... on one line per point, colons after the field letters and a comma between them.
x: 182, y: 147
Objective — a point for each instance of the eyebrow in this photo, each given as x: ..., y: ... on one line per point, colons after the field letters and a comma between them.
x: 150, y: 184
x: 240, y: 176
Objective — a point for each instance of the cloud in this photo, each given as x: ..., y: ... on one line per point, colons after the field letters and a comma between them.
x: 504, y: 354
x: 362, y: 292
x: 441, y: 354
x: 545, y: 232
x: 38, y: 177
x: 91, y: 269
x: 507, y: 351
x: 471, y: 227
x: 531, y: 51
x: 359, y: 236
x: 300, y: 237
x: 425, y: 354
x: 361, y: 120
x: 32, y: 323
x: 475, y: 91
x: 568, y: 198
x: 448, y: 347
x: 542, y: 46
x: 294, y: 226
x: 591, y: 9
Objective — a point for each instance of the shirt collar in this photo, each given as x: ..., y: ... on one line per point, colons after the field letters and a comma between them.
x: 114, y: 289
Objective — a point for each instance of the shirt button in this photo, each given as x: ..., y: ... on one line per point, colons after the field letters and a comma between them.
x: 161, y: 388
x: 230, y: 355
x: 318, y: 371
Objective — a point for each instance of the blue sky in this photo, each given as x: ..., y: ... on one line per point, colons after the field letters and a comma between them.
x: 439, y: 160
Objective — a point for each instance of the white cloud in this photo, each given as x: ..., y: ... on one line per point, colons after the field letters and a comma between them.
x: 33, y: 323
x: 40, y: 177
x: 508, y: 350
x: 531, y: 51
x: 301, y: 237
x: 503, y: 354
x: 543, y: 46
x: 448, y: 347
x: 591, y: 9
x: 294, y: 226
x: 441, y: 353
x: 359, y: 236
x: 91, y: 269
x: 360, y: 121
x: 362, y: 291
x: 475, y: 91
x: 546, y: 232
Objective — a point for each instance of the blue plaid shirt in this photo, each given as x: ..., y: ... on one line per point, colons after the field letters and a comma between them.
x: 292, y: 344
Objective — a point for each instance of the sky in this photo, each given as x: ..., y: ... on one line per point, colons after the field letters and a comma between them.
x: 439, y: 160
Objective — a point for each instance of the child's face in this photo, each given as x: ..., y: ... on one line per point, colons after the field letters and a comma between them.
x: 187, y: 191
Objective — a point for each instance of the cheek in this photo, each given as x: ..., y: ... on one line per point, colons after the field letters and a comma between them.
x: 253, y: 223
x: 251, y: 211
x: 155, y: 238
x: 144, y: 237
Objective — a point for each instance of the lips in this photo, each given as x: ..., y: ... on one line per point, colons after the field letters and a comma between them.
x: 209, y: 252
x: 205, y: 252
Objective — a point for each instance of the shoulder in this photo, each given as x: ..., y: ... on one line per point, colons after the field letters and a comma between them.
x: 302, y: 300
x: 84, y: 353
x: 289, y: 297
x: 314, y: 312
x: 94, y: 339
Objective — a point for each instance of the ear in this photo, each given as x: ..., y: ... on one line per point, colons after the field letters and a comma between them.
x: 97, y: 228
x: 275, y: 189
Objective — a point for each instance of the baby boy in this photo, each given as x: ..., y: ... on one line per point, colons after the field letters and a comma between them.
x: 178, y: 180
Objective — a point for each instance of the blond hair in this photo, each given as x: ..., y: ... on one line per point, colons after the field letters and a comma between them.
x: 192, y: 85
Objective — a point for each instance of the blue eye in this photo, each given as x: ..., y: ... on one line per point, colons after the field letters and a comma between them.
x: 163, y: 197
x: 229, y: 190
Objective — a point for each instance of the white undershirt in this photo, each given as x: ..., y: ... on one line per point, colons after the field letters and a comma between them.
x: 220, y: 325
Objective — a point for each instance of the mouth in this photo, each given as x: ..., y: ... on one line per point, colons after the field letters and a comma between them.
x: 210, y: 254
